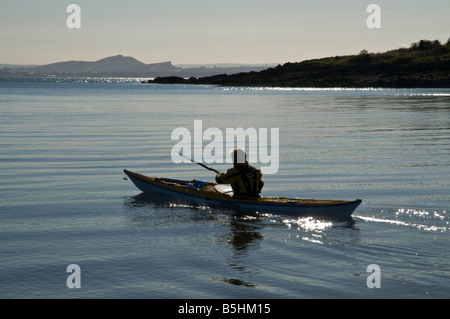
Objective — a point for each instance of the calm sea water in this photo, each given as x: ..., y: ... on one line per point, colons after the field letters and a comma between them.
x: 63, y: 199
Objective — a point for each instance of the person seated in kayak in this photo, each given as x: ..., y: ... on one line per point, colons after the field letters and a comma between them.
x: 245, y: 179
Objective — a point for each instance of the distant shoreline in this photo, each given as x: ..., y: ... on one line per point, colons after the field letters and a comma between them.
x: 426, y: 64
x: 122, y: 66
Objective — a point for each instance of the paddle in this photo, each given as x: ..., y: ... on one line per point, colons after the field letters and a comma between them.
x: 202, y: 165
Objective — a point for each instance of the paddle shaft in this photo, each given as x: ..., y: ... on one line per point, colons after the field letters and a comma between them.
x: 202, y: 165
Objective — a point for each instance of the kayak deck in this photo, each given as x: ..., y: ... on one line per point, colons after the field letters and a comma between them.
x: 207, y: 193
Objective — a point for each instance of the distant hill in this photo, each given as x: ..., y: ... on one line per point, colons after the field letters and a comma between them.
x: 425, y: 64
x: 118, y: 63
x: 119, y: 66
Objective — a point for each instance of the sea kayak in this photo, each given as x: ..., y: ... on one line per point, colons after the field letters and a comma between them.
x: 201, y: 193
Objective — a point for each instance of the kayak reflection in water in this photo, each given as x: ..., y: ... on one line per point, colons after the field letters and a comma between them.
x: 244, y: 179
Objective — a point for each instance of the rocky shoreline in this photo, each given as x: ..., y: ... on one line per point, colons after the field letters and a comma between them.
x: 426, y: 64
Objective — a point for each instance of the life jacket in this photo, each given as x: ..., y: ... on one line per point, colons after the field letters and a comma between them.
x: 250, y: 183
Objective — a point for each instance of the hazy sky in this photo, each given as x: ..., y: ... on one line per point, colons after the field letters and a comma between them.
x: 209, y: 31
